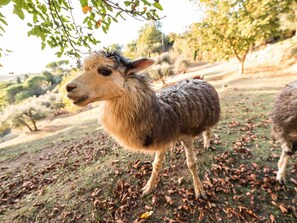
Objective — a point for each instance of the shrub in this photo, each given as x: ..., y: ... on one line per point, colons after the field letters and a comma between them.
x: 163, y: 58
x: 52, y: 100
x: 37, y: 85
x: 4, y: 125
x: 22, y: 96
x: 26, y: 114
x: 29, y: 111
x: 12, y: 91
x: 180, y: 65
x: 161, y: 71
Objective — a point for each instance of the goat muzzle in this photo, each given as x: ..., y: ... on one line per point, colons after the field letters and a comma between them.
x: 70, y: 87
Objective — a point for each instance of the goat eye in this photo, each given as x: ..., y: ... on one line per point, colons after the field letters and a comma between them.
x: 104, y: 71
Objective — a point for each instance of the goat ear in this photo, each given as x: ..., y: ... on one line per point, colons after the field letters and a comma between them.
x: 140, y: 64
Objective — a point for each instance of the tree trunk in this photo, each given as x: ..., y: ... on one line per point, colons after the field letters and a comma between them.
x: 242, y: 60
x: 34, y: 124
x: 242, y: 67
x: 25, y: 124
x: 163, y: 80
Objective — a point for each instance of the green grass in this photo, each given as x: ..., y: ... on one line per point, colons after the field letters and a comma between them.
x: 89, y: 178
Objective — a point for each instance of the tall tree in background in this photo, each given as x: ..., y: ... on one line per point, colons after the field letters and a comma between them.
x: 288, y: 18
x: 114, y: 47
x: 151, y: 40
x: 52, y: 21
x: 232, y: 27
x: 131, y: 49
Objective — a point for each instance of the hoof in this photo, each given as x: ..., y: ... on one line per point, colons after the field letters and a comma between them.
x: 280, y: 178
x: 145, y: 191
x: 200, y: 194
x: 280, y: 182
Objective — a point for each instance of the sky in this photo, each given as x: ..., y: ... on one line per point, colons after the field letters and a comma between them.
x: 27, y: 56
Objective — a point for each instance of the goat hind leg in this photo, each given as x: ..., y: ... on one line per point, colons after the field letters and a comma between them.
x: 157, y: 164
x: 192, y: 165
x: 282, y: 163
x: 206, y: 139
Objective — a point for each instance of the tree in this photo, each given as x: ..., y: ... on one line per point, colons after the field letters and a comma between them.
x: 12, y: 91
x: 52, y: 21
x: 232, y: 28
x: 150, y: 39
x: 49, y: 77
x: 36, y: 85
x: 57, y: 66
x: 19, y: 81
x: 114, y: 47
x: 289, y: 18
x: 131, y: 49
x: 182, y: 45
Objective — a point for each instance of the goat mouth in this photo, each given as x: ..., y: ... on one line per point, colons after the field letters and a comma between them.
x: 80, y: 100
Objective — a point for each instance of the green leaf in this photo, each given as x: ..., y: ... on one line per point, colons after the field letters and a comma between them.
x: 83, y: 3
x: 18, y: 11
x: 146, y: 2
x: 3, y: 21
x: 158, y: 6
x: 127, y: 3
x: 43, y: 45
x: 4, y: 2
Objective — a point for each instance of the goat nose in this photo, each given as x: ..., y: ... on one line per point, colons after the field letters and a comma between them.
x: 70, y: 87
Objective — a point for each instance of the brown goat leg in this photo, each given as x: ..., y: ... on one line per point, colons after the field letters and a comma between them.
x: 191, y: 162
x: 206, y: 139
x: 282, y: 163
x: 157, y: 164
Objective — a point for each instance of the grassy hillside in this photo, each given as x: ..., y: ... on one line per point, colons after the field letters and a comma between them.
x: 81, y: 175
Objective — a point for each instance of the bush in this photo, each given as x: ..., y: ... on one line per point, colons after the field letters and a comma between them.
x: 30, y: 111
x: 161, y: 71
x: 37, y: 85
x: 163, y: 58
x: 26, y: 114
x: 52, y: 100
x: 4, y: 125
x: 22, y: 96
x: 12, y: 91
x: 181, y: 65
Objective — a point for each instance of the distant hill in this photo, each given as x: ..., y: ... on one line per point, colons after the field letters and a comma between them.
x: 13, y: 77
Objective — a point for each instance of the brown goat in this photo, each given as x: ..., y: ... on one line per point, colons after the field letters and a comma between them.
x: 284, y: 125
x: 141, y: 120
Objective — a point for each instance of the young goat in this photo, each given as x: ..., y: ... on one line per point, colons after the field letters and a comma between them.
x: 284, y: 125
x: 140, y: 119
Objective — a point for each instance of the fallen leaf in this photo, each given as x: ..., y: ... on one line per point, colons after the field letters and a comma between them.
x: 180, y: 180
x: 272, y: 218
x: 146, y: 215
x: 273, y: 196
x: 169, y: 200
x: 283, y: 209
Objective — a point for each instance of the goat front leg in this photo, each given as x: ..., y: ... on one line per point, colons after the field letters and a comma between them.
x: 157, y: 164
x: 282, y: 163
x: 192, y: 165
x: 206, y: 139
